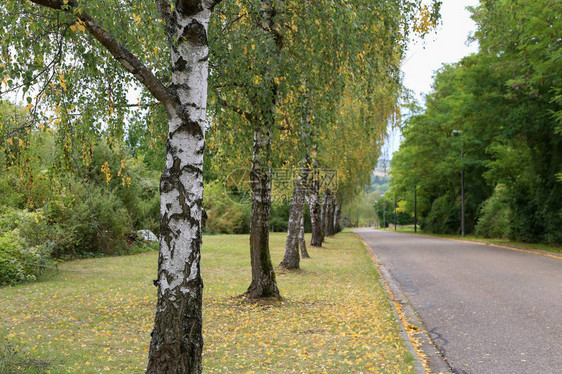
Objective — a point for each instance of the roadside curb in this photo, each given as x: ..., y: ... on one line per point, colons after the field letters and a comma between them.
x: 427, y: 358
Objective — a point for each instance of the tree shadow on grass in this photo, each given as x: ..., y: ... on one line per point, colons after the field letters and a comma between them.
x: 14, y: 360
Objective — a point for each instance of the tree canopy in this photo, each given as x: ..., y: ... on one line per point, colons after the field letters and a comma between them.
x: 105, y: 83
x: 501, y: 107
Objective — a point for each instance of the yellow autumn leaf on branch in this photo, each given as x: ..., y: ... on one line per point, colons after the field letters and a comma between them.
x: 62, y: 82
x: 107, y: 171
x: 78, y: 26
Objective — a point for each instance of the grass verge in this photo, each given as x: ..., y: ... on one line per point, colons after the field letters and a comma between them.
x: 95, y: 315
x: 471, y: 237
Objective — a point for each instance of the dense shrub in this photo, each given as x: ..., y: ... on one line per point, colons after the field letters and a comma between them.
x: 9, y: 195
x: 130, y: 181
x: 279, y: 220
x: 18, y: 261
x: 495, y: 216
x: 141, y: 198
x: 224, y: 214
x: 24, y: 248
x: 88, y: 221
x: 444, y: 216
x: 11, y: 218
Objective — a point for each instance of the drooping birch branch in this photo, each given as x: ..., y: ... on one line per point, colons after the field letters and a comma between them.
x: 127, y: 59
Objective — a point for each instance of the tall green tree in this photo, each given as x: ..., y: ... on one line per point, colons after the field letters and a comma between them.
x: 521, y: 39
x: 504, y: 104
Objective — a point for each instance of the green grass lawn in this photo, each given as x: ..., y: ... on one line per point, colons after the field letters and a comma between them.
x: 96, y: 315
x: 541, y: 247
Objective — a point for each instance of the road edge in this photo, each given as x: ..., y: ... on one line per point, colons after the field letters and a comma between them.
x: 427, y: 357
x: 474, y: 241
x: 510, y: 247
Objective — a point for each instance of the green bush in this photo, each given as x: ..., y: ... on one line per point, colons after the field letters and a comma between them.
x: 224, y: 216
x: 495, y: 216
x: 141, y: 197
x: 89, y: 221
x: 11, y: 218
x: 444, y: 216
x: 279, y: 220
x: 10, y: 194
x: 19, y: 262
x: 143, y: 247
x: 131, y: 181
x: 23, y: 250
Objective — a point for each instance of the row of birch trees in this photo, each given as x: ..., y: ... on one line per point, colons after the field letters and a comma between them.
x: 255, y: 84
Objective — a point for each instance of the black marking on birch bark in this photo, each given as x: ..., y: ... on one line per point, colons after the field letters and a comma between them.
x: 191, y: 168
x: 180, y: 64
x: 165, y: 232
x: 177, y: 87
x: 185, y: 87
x: 189, y: 7
x: 194, y: 33
x: 194, y: 282
x: 171, y: 182
x: 188, y: 126
x: 167, y: 179
x: 169, y: 277
x: 175, y: 169
x: 184, y: 215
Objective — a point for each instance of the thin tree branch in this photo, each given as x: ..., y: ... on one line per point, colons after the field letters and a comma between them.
x: 118, y: 51
x: 248, y: 116
x: 141, y: 105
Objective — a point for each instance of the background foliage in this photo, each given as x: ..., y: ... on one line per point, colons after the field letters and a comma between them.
x: 501, y: 107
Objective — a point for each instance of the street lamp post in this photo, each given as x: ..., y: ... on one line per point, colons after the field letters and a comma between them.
x: 462, y: 184
x: 395, y: 211
x: 462, y: 195
x: 383, y: 212
x: 416, y: 208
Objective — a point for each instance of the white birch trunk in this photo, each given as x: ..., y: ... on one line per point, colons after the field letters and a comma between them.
x: 291, y: 259
x: 177, y: 342
x: 302, y: 242
x: 315, y: 214
x: 263, y: 283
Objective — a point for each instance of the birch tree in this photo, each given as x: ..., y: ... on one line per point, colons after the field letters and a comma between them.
x: 247, y: 92
x: 336, y: 43
x: 70, y: 55
x: 360, y: 100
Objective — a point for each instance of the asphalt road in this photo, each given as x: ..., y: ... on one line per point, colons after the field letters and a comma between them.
x: 488, y: 309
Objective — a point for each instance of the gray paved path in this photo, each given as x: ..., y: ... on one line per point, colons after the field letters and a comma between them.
x: 488, y: 309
